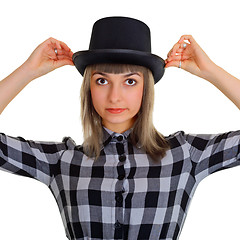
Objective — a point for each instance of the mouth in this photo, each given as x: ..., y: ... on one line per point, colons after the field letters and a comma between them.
x: 116, y: 110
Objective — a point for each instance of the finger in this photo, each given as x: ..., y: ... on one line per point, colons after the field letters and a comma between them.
x: 181, y: 50
x: 61, y: 57
x: 178, y: 57
x: 51, y: 53
x: 59, y: 54
x: 183, y: 46
x: 172, y: 64
x: 63, y: 52
x: 58, y: 44
x: 63, y: 62
x: 187, y: 38
x: 178, y: 48
x: 64, y: 46
x: 169, y: 53
x: 175, y: 49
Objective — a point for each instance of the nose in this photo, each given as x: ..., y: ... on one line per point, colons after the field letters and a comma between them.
x: 115, y: 94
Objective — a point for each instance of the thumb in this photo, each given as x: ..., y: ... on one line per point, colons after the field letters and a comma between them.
x: 62, y: 62
x: 173, y: 64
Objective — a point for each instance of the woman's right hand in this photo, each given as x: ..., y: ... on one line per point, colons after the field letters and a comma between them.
x: 44, y: 58
x: 42, y: 61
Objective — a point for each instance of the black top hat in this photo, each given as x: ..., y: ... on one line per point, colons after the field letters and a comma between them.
x: 120, y: 40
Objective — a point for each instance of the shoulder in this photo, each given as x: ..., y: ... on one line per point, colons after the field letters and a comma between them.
x: 176, y: 139
x: 71, y: 144
x: 201, y: 141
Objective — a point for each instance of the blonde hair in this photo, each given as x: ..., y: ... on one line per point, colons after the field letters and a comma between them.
x: 143, y: 134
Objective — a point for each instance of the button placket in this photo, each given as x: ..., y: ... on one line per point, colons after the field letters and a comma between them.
x: 121, y: 172
x: 120, y: 150
x: 119, y: 199
x: 119, y: 186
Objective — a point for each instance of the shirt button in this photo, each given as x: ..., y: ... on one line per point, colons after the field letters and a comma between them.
x: 120, y: 138
x: 117, y: 225
x: 122, y: 158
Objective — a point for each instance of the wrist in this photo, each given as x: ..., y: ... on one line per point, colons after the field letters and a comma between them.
x: 212, y: 73
x: 28, y: 71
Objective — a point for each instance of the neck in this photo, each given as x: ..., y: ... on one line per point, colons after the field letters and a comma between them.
x: 119, y: 128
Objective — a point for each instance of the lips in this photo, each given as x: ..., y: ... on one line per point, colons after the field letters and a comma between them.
x: 116, y: 110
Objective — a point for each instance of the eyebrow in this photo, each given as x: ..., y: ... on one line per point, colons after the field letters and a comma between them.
x: 126, y: 75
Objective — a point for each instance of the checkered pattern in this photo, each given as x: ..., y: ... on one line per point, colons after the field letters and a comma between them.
x: 124, y: 194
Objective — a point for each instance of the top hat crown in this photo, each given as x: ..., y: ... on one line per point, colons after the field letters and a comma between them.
x: 120, y: 33
x: 120, y: 40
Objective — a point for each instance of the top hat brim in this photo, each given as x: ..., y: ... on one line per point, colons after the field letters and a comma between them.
x: 156, y: 64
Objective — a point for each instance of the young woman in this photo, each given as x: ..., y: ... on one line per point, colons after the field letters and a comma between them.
x: 126, y: 181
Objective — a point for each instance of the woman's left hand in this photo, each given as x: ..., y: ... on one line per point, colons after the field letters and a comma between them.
x: 188, y: 55
x: 195, y: 60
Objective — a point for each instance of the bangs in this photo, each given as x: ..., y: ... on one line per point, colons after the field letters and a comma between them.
x: 116, y: 68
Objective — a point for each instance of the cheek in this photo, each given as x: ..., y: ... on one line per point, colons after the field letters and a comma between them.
x: 97, y: 99
x: 135, y: 100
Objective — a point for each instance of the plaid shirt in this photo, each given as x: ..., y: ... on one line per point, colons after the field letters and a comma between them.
x: 124, y: 194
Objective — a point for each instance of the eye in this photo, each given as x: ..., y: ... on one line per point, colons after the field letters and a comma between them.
x: 131, y: 82
x: 102, y: 81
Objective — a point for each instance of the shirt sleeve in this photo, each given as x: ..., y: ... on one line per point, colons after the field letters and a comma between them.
x: 29, y: 158
x: 211, y: 153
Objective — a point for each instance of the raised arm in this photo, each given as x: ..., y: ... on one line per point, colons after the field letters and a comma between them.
x: 49, y: 55
x: 195, y: 60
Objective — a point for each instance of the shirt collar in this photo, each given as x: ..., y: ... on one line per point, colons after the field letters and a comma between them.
x: 108, y: 135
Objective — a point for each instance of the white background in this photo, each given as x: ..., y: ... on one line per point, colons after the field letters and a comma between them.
x: 48, y: 108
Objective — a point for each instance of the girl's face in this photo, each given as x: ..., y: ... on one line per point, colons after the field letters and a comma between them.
x: 117, y: 98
